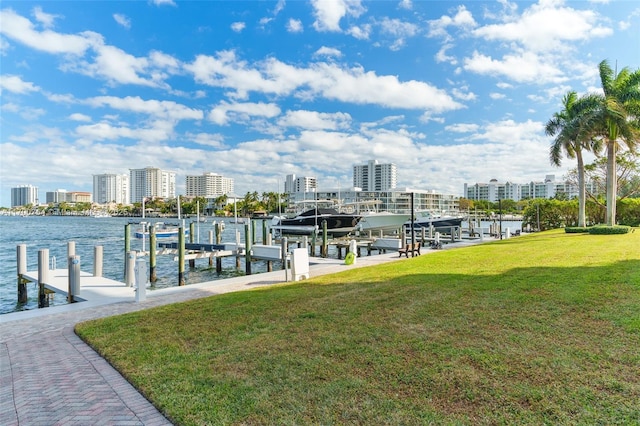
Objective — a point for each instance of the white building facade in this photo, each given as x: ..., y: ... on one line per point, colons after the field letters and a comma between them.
x: 23, y: 195
x: 549, y: 188
x: 374, y: 176
x: 151, y: 182
x: 208, y: 185
x: 111, y: 188
x: 302, y: 184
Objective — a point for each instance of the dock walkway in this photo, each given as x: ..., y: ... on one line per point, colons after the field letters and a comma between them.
x: 48, y: 376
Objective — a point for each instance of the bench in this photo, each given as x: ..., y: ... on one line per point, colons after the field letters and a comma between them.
x: 410, y: 248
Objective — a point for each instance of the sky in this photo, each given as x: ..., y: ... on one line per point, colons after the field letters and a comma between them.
x: 452, y: 92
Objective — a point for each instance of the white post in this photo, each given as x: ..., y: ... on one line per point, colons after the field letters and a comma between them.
x: 130, y: 266
x: 97, y: 261
x: 74, y: 277
x: 141, y: 279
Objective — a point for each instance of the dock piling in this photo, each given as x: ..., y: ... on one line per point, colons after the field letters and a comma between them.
x: 152, y: 254
x: 130, y: 260
x: 247, y: 249
x: 98, y: 257
x: 141, y: 279
x: 43, y: 277
x: 21, y: 252
x: 181, y: 278
x: 127, y: 246
x: 74, y: 277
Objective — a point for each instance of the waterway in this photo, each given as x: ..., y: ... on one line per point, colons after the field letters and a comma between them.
x: 54, y: 232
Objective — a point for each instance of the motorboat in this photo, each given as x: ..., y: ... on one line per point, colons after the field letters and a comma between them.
x: 310, y: 221
x: 442, y: 224
x: 382, y: 221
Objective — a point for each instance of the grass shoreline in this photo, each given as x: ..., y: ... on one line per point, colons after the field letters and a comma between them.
x: 542, y: 329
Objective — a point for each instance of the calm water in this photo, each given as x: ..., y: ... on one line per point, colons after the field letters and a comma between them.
x: 53, y: 233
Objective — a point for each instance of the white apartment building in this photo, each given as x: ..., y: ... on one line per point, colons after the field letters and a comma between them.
x: 293, y: 184
x: 208, y: 185
x: 151, y: 182
x: 374, y: 176
x: 23, y: 195
x: 111, y: 188
x: 494, y: 190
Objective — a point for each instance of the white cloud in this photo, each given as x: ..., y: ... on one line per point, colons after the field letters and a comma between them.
x: 294, y: 26
x: 80, y: 117
x: 464, y: 94
x: 462, y: 128
x: 329, y: 13
x: 47, y: 20
x: 238, y: 26
x: 527, y: 67
x: 21, y: 30
x: 207, y: 139
x: 15, y: 84
x: 361, y: 32
x: 242, y: 112
x: 122, y: 20
x: 546, y: 26
x: 351, y: 85
x: 405, y: 4
x: 463, y: 19
x: 313, y: 120
x: 328, y: 52
x: 159, y: 109
x: 496, y: 96
x: 163, y: 2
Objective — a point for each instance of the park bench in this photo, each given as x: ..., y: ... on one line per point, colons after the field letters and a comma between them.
x: 410, y: 248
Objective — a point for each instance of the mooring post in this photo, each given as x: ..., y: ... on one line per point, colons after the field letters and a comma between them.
x: 237, y: 249
x: 127, y: 247
x: 181, y: 280
x: 98, y: 259
x: 313, y: 243
x: 192, y: 262
x: 305, y: 242
x: 21, y: 258
x: 211, y: 242
x: 264, y: 232
x: 268, y: 243
x: 285, y: 247
x: 325, y: 243
x: 71, y: 251
x: 74, y: 277
x: 130, y: 258
x: 43, y: 277
x: 141, y: 279
x: 152, y: 254
x: 247, y: 249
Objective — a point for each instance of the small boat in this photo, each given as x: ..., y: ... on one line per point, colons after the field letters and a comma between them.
x: 310, y: 221
x: 163, y: 230
x: 382, y: 221
x: 428, y: 219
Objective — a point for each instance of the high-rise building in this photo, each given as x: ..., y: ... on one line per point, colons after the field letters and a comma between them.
x: 374, y: 176
x: 294, y: 184
x: 23, y: 195
x: 494, y: 190
x: 151, y: 182
x: 208, y: 185
x: 111, y: 188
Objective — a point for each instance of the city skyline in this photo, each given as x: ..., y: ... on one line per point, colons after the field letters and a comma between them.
x: 450, y: 92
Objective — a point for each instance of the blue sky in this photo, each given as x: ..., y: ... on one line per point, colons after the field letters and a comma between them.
x: 449, y: 91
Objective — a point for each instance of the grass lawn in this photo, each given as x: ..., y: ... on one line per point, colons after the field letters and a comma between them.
x: 538, y: 329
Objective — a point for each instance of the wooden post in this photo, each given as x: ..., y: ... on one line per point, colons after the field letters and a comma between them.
x: 264, y: 231
x: 21, y: 257
x: 285, y: 247
x: 247, y: 249
x: 43, y: 277
x: 153, y: 277
x: 192, y: 262
x: 237, y: 249
x: 98, y: 259
x: 181, y: 280
x: 211, y: 242
x: 325, y: 244
x: 127, y: 246
x: 268, y: 243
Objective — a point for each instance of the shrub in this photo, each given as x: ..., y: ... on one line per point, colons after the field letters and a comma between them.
x: 576, y: 229
x: 609, y: 230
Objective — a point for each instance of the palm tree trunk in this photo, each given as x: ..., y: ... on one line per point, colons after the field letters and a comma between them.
x: 582, y: 194
x: 611, y: 183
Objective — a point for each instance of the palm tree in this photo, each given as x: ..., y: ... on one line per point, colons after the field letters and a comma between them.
x: 616, y: 121
x: 567, y: 126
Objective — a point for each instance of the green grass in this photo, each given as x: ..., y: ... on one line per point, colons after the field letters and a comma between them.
x: 540, y: 329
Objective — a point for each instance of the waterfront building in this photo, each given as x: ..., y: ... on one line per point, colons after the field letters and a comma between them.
x: 548, y: 188
x: 208, y: 185
x: 151, y: 182
x: 23, y: 195
x: 111, y: 188
x: 302, y: 184
x: 374, y: 176
x: 64, y: 196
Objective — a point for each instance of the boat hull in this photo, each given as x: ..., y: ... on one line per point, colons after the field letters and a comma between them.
x: 383, y: 221
x: 338, y: 224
